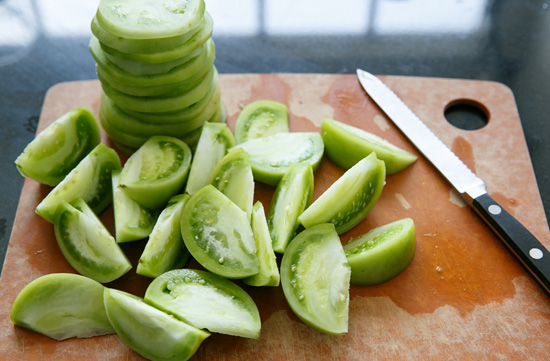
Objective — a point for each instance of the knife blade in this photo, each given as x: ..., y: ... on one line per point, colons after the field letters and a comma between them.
x: 527, y: 249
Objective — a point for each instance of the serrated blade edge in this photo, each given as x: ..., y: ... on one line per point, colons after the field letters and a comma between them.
x: 448, y: 164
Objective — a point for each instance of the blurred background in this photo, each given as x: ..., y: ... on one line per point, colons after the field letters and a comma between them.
x: 44, y: 42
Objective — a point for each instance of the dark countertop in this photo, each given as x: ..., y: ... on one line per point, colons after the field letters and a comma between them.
x: 45, y: 42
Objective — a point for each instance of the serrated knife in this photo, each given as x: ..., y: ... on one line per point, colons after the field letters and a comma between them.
x: 527, y: 249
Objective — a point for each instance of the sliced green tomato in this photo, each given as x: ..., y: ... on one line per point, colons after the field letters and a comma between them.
x: 233, y: 177
x: 215, y: 140
x: 87, y: 245
x: 315, y: 276
x: 271, y: 156
x: 259, y: 119
x: 269, y: 272
x: 348, y: 200
x: 382, y: 253
x: 165, y: 249
x: 62, y: 306
x: 166, y: 102
x: 292, y: 196
x: 198, y: 39
x: 206, y: 301
x: 89, y: 180
x: 149, y: 331
x: 346, y: 145
x: 218, y: 235
x: 132, y: 221
x: 60, y: 147
x: 156, y: 171
x: 149, y: 19
x: 140, y: 45
x: 114, y: 74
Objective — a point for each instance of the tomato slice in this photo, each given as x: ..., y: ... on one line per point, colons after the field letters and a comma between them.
x: 233, y: 177
x: 206, y: 301
x: 145, y: 19
x: 292, y: 196
x: 218, y: 235
x: 89, y: 180
x: 215, y: 140
x: 156, y: 171
x: 165, y: 249
x: 132, y: 221
x: 346, y: 145
x: 259, y: 119
x: 348, y: 200
x: 315, y: 276
x: 60, y: 147
x: 87, y: 245
x: 382, y: 253
x: 270, y: 156
x: 269, y: 272
x: 149, y: 331
x: 62, y: 306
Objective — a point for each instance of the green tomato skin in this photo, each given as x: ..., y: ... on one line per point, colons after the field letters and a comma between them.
x: 87, y: 244
x: 259, y: 119
x: 165, y: 249
x: 206, y: 301
x: 62, y: 306
x: 269, y: 271
x: 89, y: 180
x: 382, y: 253
x: 292, y: 196
x: 315, y: 277
x: 149, y: 331
x: 60, y: 147
x: 346, y: 145
x: 156, y: 172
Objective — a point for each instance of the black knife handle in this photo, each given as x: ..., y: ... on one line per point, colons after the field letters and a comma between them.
x: 517, y: 238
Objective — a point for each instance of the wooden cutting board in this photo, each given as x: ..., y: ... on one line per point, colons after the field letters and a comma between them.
x: 463, y: 297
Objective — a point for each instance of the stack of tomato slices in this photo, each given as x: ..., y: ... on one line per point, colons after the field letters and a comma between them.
x: 155, y: 64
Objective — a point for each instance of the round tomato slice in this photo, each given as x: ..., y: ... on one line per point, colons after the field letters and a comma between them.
x: 348, y: 200
x: 60, y: 147
x: 149, y: 331
x: 62, y: 306
x: 315, y: 276
x: 206, y: 301
x: 218, y: 234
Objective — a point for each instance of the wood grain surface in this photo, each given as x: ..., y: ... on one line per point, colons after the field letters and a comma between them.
x: 464, y: 296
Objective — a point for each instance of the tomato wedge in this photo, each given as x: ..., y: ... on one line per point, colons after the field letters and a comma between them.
x: 259, y: 119
x: 315, y: 276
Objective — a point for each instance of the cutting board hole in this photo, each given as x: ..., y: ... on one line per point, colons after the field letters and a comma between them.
x: 467, y: 114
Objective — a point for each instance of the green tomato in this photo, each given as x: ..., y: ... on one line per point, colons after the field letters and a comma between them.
x: 270, y: 156
x: 346, y: 145
x: 87, y: 245
x: 149, y: 331
x: 292, y: 196
x: 233, y: 177
x: 132, y: 221
x: 144, y: 19
x: 89, y: 180
x: 165, y: 249
x: 269, y: 273
x: 259, y: 119
x: 206, y: 301
x: 382, y: 253
x: 214, y: 141
x: 62, y: 306
x: 218, y: 234
x: 156, y: 172
x: 60, y: 147
x: 348, y: 200
x: 315, y: 276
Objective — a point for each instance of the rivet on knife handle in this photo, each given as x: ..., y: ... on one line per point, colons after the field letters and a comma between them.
x: 529, y: 251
